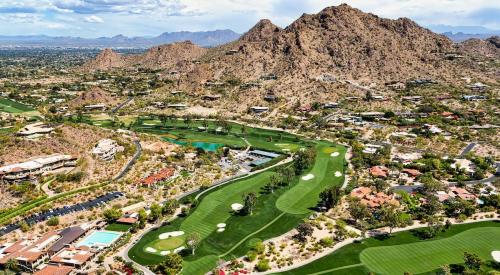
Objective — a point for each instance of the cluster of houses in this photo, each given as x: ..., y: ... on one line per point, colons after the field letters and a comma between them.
x: 33, y: 168
x: 373, y: 199
x: 55, y: 252
x: 106, y: 149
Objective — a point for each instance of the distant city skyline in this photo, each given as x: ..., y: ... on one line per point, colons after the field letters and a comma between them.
x: 94, y: 18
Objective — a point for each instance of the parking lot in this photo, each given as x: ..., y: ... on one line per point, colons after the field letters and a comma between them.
x: 61, y: 211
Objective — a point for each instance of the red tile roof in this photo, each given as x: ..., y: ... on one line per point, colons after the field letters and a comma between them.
x: 54, y: 270
x: 127, y: 220
x: 412, y: 172
x: 379, y: 171
x: 162, y: 175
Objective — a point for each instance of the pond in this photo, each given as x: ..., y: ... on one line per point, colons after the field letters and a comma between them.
x: 212, y: 147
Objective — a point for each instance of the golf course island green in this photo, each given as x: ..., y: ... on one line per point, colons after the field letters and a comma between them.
x: 405, y: 252
x: 224, y: 232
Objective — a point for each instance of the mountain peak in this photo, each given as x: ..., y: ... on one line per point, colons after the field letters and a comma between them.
x: 263, y: 30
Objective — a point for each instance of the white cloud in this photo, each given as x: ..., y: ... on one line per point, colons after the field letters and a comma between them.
x: 93, y: 19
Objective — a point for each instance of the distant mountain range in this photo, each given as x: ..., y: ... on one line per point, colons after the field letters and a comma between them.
x: 462, y: 33
x: 203, y: 39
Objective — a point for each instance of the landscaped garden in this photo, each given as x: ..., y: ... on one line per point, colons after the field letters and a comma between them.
x: 405, y: 252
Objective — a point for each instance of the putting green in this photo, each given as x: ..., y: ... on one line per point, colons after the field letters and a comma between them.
x: 426, y: 256
x: 168, y: 244
x: 301, y: 197
x: 9, y: 106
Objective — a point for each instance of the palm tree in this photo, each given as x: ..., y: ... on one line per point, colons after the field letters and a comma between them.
x: 12, y: 264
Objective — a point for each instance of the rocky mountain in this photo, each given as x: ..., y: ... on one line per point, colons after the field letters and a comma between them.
x: 340, y: 41
x: 489, y: 47
x: 166, y: 56
x: 203, y: 39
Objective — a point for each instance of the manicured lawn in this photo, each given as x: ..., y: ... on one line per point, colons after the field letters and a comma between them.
x: 301, y: 197
x: 9, y: 106
x: 347, y: 260
x: 426, y: 256
x: 118, y: 227
x: 267, y: 220
x: 168, y: 244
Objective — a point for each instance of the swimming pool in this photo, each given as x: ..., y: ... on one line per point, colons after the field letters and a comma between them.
x: 100, y: 239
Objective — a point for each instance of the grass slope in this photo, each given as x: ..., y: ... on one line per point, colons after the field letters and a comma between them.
x: 346, y: 260
x: 426, y: 256
x: 300, y: 198
x: 9, y: 106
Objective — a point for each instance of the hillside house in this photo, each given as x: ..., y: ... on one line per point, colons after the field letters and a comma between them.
x: 76, y: 257
x: 474, y: 97
x: 35, y: 167
x: 269, y: 77
x: 106, y: 149
x: 379, y: 172
x: 477, y: 87
x: 331, y: 105
x: 178, y: 106
x: 95, y: 107
x: 35, y: 130
x: 211, y: 97
x: 258, y: 109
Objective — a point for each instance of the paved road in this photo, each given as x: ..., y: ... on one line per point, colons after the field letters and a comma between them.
x: 131, y: 162
x: 487, y: 180
x: 114, y: 110
x: 467, y: 149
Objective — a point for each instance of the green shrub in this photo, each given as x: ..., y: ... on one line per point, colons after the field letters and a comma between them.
x: 263, y: 265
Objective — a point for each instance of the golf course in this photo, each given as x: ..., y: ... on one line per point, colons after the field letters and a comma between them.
x: 405, y: 252
x: 13, y: 107
x: 224, y: 232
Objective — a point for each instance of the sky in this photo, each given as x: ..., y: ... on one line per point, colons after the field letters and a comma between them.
x: 95, y: 18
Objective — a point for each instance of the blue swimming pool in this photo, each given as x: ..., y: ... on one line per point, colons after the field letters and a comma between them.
x: 100, y: 238
x: 212, y: 147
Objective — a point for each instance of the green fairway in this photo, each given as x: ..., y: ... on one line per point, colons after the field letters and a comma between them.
x: 267, y: 220
x: 300, y: 198
x: 426, y: 256
x: 9, y: 106
x: 404, y: 251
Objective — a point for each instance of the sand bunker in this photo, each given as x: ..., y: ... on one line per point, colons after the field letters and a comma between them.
x: 221, y: 225
x: 334, y: 154
x: 163, y: 253
x: 151, y: 250
x: 170, y: 234
x: 338, y: 174
x: 308, y: 177
x: 496, y: 256
x: 236, y: 206
x: 221, y: 230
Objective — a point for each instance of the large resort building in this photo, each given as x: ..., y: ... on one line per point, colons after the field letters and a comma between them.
x: 32, y: 168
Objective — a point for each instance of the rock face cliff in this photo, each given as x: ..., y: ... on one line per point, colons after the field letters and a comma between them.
x: 340, y: 41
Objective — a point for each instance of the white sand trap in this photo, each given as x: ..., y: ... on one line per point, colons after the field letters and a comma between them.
x: 496, y: 256
x: 149, y: 124
x: 167, y: 235
x: 334, y: 154
x: 236, y: 206
x: 221, y: 225
x: 165, y: 252
x: 178, y: 249
x: 221, y: 230
x: 308, y: 177
x: 151, y: 250
x: 338, y: 174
